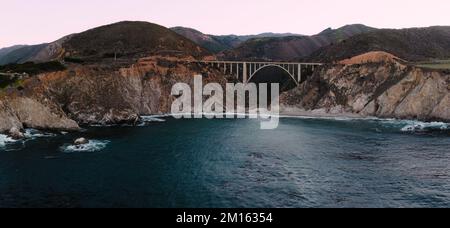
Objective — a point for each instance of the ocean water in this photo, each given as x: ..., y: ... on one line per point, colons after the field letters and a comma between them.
x: 167, y: 163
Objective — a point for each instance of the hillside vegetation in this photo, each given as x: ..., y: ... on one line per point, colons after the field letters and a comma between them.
x: 292, y: 47
x: 127, y: 40
x: 217, y: 44
x: 415, y: 44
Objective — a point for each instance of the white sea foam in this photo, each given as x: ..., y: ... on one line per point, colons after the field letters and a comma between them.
x: 92, y: 146
x: 153, y: 118
x: 33, y: 134
x: 4, y: 139
x: 402, y: 125
x: 416, y: 126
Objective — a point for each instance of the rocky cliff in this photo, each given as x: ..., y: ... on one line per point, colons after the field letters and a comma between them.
x: 98, y: 94
x: 109, y: 94
x: 383, y: 89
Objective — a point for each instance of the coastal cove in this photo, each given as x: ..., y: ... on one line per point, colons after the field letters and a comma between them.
x: 164, y: 162
x: 351, y: 117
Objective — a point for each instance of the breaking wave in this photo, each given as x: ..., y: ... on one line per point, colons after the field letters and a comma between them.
x: 411, y: 126
x: 92, y: 146
x: 4, y: 140
x: 422, y: 126
x: 33, y: 134
x: 153, y: 118
x: 145, y: 120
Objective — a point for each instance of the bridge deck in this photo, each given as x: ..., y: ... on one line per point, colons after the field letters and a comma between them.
x: 246, y: 70
x: 257, y: 62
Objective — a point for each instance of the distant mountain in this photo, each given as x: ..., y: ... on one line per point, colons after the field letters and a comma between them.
x: 206, y: 41
x: 414, y: 44
x: 34, y: 53
x: 124, y: 39
x: 129, y: 39
x: 20, y: 53
x: 218, y: 44
x: 6, y: 50
x: 292, y: 47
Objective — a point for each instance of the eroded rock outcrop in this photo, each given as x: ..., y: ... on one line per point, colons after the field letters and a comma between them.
x: 8, y: 118
x: 110, y: 94
x: 101, y: 94
x: 34, y: 114
x: 389, y: 90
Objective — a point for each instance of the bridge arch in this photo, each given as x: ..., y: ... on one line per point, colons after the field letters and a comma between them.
x: 272, y: 65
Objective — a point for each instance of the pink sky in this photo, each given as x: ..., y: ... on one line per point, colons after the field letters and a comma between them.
x: 37, y: 21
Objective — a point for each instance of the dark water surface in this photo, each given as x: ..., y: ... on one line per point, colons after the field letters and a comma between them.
x: 231, y: 163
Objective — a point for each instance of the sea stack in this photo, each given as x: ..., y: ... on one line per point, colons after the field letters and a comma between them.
x: 81, y: 141
x: 15, y: 133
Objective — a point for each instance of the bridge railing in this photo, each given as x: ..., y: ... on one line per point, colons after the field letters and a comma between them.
x: 255, y: 62
x: 245, y: 70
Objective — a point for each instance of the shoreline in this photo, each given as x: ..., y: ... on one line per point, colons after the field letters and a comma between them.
x: 290, y: 114
x: 302, y: 114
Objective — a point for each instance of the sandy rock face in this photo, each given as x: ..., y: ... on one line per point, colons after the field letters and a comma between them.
x: 34, y: 114
x: 390, y: 90
x: 422, y: 97
x: 15, y: 133
x: 18, y: 112
x: 8, y: 119
x: 101, y: 94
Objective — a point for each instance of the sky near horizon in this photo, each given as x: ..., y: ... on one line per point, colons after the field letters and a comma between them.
x: 39, y: 21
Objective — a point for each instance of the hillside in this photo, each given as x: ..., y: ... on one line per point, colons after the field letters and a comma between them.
x: 129, y: 39
x: 292, y: 47
x: 216, y: 44
x: 121, y: 40
x: 415, y: 44
x: 206, y: 41
x: 372, y: 57
x: 21, y: 54
x: 7, y: 50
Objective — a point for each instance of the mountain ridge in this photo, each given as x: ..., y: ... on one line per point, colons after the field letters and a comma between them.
x: 126, y: 38
x: 219, y: 43
x: 412, y: 44
x: 292, y: 47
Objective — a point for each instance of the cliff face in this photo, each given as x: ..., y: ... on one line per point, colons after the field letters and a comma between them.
x: 104, y: 94
x: 23, y: 111
x: 388, y: 90
x: 99, y: 94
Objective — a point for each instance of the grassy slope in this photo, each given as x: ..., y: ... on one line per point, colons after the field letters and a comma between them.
x: 437, y: 64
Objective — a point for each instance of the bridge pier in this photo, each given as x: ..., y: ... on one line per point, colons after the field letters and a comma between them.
x: 244, y: 73
x: 299, y: 75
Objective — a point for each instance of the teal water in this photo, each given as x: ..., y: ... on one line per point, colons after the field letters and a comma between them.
x: 232, y: 163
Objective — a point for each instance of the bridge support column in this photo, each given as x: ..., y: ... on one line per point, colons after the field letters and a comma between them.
x: 244, y: 73
x: 299, y: 73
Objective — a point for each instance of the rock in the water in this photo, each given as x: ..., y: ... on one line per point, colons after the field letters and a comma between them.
x: 15, y: 133
x: 81, y: 141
